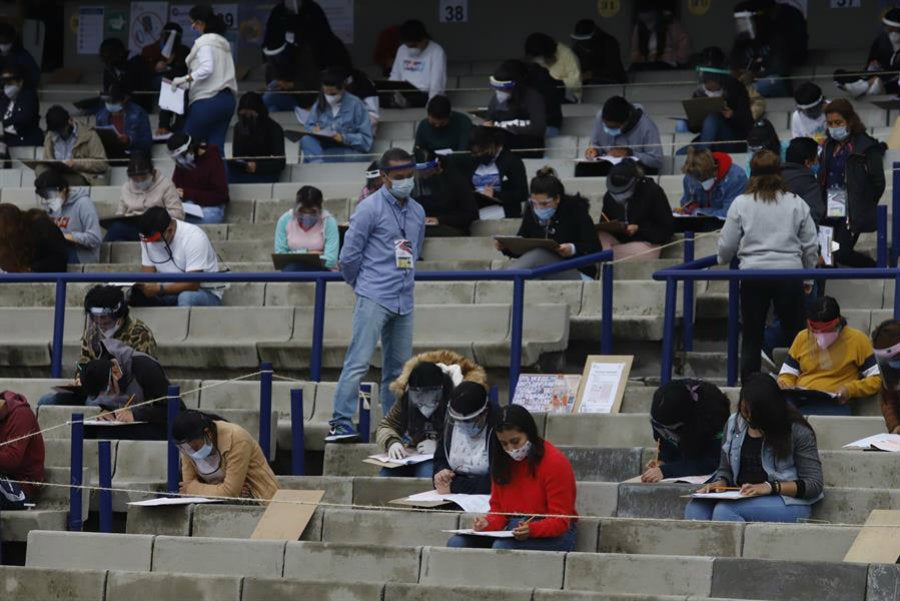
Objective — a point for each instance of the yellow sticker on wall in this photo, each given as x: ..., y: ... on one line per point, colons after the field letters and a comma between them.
x: 608, y: 8
x: 73, y: 23
x: 699, y: 7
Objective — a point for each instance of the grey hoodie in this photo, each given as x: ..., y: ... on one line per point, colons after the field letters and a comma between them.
x: 639, y: 133
x: 769, y: 235
x: 79, y: 218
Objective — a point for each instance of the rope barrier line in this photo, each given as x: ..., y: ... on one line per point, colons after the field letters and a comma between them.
x: 132, y: 406
x: 398, y: 508
x: 697, y: 236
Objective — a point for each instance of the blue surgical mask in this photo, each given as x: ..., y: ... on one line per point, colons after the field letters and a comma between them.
x: 814, y: 168
x: 894, y: 364
x: 838, y: 133
x: 612, y: 131
x: 402, y: 188
x: 114, y: 107
x: 307, y: 220
x: 203, y: 453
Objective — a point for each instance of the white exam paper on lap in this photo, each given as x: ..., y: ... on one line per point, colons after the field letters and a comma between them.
x: 880, y: 442
x: 727, y: 495
x: 489, y: 533
x: 111, y: 423
x: 468, y: 503
x: 689, y: 479
x: 408, y: 460
x: 164, y: 501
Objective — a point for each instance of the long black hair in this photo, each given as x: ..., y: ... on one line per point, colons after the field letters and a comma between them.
x: 700, y: 407
x: 205, y: 13
x: 514, y: 417
x: 771, y: 413
x: 190, y: 425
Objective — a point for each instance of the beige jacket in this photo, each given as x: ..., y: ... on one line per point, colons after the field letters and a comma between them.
x: 88, y: 154
x: 244, y: 464
x: 162, y: 193
x: 393, y: 425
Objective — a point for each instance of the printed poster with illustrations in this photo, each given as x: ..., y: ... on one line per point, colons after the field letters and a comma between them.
x: 547, y: 393
x: 603, y: 383
x: 147, y: 20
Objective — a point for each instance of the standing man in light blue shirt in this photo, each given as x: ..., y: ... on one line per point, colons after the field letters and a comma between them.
x: 378, y: 260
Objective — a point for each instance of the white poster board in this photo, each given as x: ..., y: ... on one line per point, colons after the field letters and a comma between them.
x: 146, y: 23
x: 90, y: 29
x: 547, y: 393
x: 340, y: 17
x: 603, y: 383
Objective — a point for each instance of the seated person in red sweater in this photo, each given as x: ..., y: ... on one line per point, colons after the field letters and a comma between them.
x: 23, y: 460
x: 530, y: 478
x: 199, y: 178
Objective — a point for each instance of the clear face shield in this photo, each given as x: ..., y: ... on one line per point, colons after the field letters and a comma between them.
x: 744, y: 26
x: 471, y: 425
x: 426, y: 399
x: 824, y: 333
x: 668, y: 432
x: 889, y: 364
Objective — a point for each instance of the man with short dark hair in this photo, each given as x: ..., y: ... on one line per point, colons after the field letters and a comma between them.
x: 443, y: 129
x: 378, y: 260
x: 800, y: 168
x: 77, y: 146
x: 421, y: 62
x: 623, y: 131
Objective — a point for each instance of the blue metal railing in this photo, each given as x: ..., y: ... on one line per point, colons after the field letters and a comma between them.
x: 517, y: 276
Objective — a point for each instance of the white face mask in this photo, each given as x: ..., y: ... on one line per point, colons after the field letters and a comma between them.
x: 894, y: 37
x: 713, y: 93
x: 108, y: 332
x: 143, y: 185
x: 414, y: 52
x: 402, y: 188
x: 502, y: 97
x: 521, y: 453
x: 333, y: 99
x: 5, y: 48
x: 52, y: 205
x: 708, y: 184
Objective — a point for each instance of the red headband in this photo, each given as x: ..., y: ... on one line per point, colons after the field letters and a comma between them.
x: 154, y: 237
x: 823, y: 326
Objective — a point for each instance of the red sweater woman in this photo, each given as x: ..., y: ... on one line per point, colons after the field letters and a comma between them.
x: 530, y: 479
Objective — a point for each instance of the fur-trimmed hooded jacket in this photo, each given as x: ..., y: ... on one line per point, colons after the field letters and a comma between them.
x: 400, y: 420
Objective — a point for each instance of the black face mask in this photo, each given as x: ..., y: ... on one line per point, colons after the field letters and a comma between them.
x: 248, y: 123
x: 483, y: 159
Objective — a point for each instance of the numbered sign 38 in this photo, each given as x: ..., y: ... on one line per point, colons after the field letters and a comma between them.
x: 453, y: 11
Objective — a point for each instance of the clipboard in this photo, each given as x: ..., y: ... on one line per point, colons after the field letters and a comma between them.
x: 518, y: 246
x: 280, y: 260
x: 109, y: 136
x: 294, y: 135
x: 388, y: 85
x: 696, y: 109
x: 108, y: 221
x: 169, y: 99
x: 67, y: 388
x: 696, y: 223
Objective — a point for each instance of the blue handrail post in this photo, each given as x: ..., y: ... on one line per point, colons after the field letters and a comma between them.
x: 104, y: 455
x: 895, y: 215
x: 494, y: 395
x: 668, y: 345
x: 896, y: 297
x: 365, y: 411
x: 687, y: 336
x: 298, y: 442
x: 59, y: 324
x: 881, y: 249
x: 76, y: 470
x: 515, y: 339
x: 606, y: 309
x: 265, y: 407
x: 173, y: 471
x: 733, y: 328
x: 315, y: 360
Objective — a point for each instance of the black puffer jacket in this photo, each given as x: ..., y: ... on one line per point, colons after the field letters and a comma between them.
x: 864, y: 179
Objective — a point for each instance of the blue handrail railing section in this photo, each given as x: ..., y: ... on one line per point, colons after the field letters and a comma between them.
x: 517, y: 276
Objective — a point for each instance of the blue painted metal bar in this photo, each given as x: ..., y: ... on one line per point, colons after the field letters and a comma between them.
x: 606, y: 309
x: 365, y: 411
x: 104, y: 455
x: 895, y: 215
x: 59, y: 326
x: 668, y: 345
x: 687, y: 335
x: 897, y: 296
x: 881, y: 248
x: 298, y: 441
x: 76, y: 470
x: 494, y: 395
x: 265, y: 408
x: 515, y: 338
x: 315, y: 361
x: 173, y: 471
x: 733, y: 329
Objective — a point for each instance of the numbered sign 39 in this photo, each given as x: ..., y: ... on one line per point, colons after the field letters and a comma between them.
x: 453, y: 11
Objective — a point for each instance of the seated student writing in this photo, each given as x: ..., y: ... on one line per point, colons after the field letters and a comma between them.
x: 886, y: 340
x: 554, y: 215
x: 21, y: 454
x: 130, y: 387
x: 636, y: 217
x: 308, y: 228
x: 443, y: 128
x: 711, y: 183
x: 463, y: 453
x: 146, y: 187
x: 132, y: 125
x: 19, y: 110
x: 497, y: 174
x: 517, y: 108
x: 73, y: 212
x: 530, y: 478
x: 341, y: 116
x: 770, y: 454
x: 448, y: 200
x: 687, y: 417
x: 199, y: 177
x: 256, y: 137
x: 107, y: 317
x: 831, y: 357
x: 76, y: 145
x: 420, y: 61
x: 622, y: 131
x: 422, y: 391
x: 220, y: 459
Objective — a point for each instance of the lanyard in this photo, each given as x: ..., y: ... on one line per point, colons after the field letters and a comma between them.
x: 397, y: 219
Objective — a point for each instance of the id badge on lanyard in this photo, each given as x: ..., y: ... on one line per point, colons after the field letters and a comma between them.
x: 837, y: 202
x: 403, y: 253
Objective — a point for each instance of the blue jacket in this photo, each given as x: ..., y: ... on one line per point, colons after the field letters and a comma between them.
x: 731, y: 181
x: 137, y: 126
x: 352, y: 122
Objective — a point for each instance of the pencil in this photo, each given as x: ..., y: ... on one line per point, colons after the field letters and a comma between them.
x: 527, y: 521
x: 658, y: 446
x: 128, y: 402
x: 603, y: 216
x: 725, y: 488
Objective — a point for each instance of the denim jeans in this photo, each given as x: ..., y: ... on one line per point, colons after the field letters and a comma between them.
x: 716, y: 129
x: 237, y: 176
x: 188, y: 298
x: 771, y: 86
x: 62, y: 398
x: 122, y: 231
x: 564, y: 542
x: 276, y: 102
x: 756, y: 509
x: 211, y: 215
x: 314, y: 152
x: 208, y: 119
x: 371, y: 321
x: 419, y: 470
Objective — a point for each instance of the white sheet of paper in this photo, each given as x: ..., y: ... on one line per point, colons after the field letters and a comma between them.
x: 489, y: 534
x: 164, y: 501
x: 408, y: 460
x: 882, y: 442
x: 826, y: 238
x: 192, y: 209
x: 169, y: 99
x: 468, y: 503
x: 105, y: 423
x: 689, y: 479
x: 491, y: 212
x: 726, y: 495
x: 601, y: 388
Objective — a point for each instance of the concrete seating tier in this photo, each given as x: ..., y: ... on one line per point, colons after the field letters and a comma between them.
x: 159, y: 564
